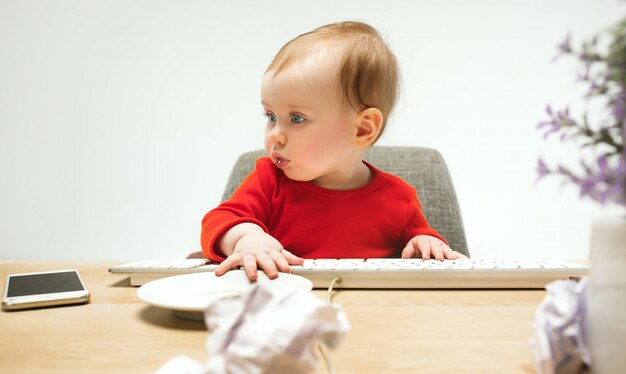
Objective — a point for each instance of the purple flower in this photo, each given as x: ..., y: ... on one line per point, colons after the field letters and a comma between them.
x: 552, y: 128
x: 623, y: 132
x: 618, y: 106
x: 604, y: 179
x: 558, y: 122
x: 565, y: 45
x: 542, y: 169
x: 586, y: 73
x: 606, y: 182
x: 564, y: 48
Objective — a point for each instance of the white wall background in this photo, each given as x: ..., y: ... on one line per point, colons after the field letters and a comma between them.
x: 120, y: 120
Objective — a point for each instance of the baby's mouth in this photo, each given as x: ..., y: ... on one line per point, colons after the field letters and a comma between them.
x: 280, y: 162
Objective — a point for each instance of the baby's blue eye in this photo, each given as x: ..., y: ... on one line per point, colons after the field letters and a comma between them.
x: 296, y: 118
x: 271, y: 118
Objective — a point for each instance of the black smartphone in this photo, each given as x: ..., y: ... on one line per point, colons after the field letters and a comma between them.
x: 34, y: 290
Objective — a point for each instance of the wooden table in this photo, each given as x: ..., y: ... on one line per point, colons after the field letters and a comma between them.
x: 393, y: 331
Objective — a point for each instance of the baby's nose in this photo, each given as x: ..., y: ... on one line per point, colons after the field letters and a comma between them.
x: 276, y: 135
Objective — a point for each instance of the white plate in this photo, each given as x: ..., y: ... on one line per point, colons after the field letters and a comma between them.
x: 195, y: 292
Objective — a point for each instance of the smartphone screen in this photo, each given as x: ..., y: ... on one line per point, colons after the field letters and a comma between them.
x: 37, y: 284
x: 51, y: 288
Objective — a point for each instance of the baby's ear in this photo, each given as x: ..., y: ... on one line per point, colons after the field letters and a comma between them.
x: 369, y: 125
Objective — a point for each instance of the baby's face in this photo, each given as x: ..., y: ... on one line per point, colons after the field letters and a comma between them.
x: 309, y: 133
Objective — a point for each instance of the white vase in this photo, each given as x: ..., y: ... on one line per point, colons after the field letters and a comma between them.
x: 607, y: 299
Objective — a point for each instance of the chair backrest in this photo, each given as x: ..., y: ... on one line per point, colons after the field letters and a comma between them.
x: 422, y: 168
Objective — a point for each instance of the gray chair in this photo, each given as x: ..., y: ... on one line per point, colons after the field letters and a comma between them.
x: 422, y: 168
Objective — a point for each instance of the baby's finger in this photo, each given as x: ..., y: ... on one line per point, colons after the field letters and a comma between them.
x: 448, y: 253
x: 425, y: 248
x: 291, y: 258
x: 266, y: 263
x: 280, y: 261
x: 230, y: 262
x: 460, y: 255
x: 249, y: 263
x: 437, y: 250
x: 409, y: 251
x: 451, y: 254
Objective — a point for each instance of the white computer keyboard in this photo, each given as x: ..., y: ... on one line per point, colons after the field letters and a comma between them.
x: 389, y: 272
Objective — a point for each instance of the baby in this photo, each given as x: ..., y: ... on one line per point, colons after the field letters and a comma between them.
x: 327, y: 96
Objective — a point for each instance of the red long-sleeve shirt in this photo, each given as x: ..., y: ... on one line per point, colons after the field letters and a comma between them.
x: 373, y: 221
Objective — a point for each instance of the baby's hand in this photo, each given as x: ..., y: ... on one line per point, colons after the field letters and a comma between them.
x: 426, y: 246
x: 259, y: 248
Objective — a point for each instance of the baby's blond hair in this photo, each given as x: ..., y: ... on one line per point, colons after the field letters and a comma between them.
x: 367, y: 74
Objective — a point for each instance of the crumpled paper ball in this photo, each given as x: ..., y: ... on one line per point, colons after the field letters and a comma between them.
x: 265, y: 331
x: 560, y: 343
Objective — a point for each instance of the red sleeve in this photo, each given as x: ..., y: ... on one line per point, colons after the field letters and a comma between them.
x: 416, y: 224
x: 249, y: 203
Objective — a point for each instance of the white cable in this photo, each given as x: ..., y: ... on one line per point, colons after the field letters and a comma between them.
x: 322, y: 346
x: 329, y: 295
